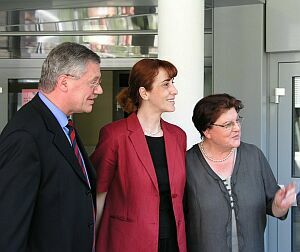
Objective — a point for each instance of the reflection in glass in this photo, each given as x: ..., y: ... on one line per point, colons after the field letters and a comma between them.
x: 296, y: 127
x: 112, y: 32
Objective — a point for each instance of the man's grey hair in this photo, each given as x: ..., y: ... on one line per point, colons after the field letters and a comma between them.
x: 66, y: 58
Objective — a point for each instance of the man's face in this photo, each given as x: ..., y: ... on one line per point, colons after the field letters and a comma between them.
x: 84, y: 90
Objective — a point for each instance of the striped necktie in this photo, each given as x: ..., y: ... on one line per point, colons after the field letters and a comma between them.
x: 72, y: 136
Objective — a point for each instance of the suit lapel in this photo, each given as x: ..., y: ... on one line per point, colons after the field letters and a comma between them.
x: 140, y: 145
x: 63, y: 145
x: 59, y: 138
x: 171, y: 149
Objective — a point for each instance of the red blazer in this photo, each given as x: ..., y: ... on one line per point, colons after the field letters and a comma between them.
x: 125, y: 171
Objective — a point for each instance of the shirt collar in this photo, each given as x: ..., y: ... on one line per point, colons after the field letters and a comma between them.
x: 58, y: 114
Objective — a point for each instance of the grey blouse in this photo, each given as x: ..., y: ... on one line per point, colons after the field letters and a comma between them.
x: 207, y: 202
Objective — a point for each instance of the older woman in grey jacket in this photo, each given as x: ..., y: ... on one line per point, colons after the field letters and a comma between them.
x: 230, y: 186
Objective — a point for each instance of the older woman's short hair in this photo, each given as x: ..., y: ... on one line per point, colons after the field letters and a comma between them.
x: 210, y: 108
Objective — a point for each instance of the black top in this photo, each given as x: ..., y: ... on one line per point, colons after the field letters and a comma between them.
x: 166, y: 216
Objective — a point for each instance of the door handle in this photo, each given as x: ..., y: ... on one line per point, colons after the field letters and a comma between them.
x: 1, y: 90
x: 279, y: 92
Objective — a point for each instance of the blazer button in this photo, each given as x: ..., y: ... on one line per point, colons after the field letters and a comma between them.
x: 174, y: 195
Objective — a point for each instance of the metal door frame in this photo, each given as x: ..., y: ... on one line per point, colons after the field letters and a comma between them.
x: 15, y: 69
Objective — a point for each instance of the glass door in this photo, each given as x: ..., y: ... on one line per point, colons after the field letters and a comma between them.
x: 289, y: 150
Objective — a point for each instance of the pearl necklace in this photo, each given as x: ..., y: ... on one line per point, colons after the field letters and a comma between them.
x: 212, y: 159
x: 152, y: 133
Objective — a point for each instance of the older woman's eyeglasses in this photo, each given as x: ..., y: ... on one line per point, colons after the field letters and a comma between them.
x: 229, y: 126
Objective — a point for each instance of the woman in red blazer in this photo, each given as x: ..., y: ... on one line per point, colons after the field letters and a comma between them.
x: 140, y: 164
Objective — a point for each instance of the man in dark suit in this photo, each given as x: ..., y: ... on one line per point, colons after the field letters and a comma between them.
x: 47, y: 191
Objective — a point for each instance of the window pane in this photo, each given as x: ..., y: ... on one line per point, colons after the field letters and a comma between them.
x: 296, y: 127
x: 113, y: 32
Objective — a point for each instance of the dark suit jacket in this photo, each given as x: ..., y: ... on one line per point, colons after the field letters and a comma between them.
x: 45, y: 201
x: 125, y: 171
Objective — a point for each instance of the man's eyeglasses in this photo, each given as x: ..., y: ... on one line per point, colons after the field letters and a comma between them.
x: 93, y: 85
x: 229, y: 126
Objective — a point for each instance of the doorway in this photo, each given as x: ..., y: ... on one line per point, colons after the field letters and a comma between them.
x: 284, y: 150
x: 19, y: 83
x: 288, y: 150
